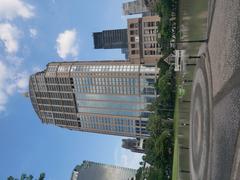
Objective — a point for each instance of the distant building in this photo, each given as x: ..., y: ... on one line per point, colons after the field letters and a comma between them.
x: 111, y: 39
x: 134, y: 7
x: 97, y: 171
x: 139, y: 42
x: 134, y: 145
x: 143, y: 46
x: 107, y: 97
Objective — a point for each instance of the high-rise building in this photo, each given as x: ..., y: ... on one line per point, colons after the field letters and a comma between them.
x: 108, y: 97
x: 111, y: 39
x: 143, y: 46
x: 134, y: 145
x: 140, y: 42
x: 97, y: 171
x: 134, y: 7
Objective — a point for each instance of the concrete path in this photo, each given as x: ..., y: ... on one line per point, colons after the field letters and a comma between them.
x: 224, y: 54
x: 215, y: 114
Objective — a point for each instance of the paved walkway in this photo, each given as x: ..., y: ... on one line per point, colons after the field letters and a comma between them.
x: 217, y: 155
x: 224, y: 54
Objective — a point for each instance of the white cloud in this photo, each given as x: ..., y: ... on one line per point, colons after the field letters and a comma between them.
x: 67, y: 44
x: 33, y: 32
x: 22, y: 81
x: 126, y: 158
x: 3, y: 70
x: 3, y: 82
x: 10, y: 9
x: 9, y: 36
x: 12, y: 80
x: 3, y: 101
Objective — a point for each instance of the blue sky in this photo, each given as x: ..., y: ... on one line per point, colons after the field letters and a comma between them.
x: 33, y: 33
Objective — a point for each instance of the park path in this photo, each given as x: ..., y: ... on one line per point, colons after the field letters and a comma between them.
x: 224, y: 58
x: 215, y: 101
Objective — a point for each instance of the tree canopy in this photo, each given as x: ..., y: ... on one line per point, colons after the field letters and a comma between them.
x: 28, y: 177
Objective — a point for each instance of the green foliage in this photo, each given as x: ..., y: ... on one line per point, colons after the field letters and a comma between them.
x: 154, y: 125
x: 26, y: 177
x: 164, y: 67
x: 155, y: 174
x: 23, y: 176
x: 42, y: 176
x: 159, y: 146
x: 166, y: 9
x: 150, y: 156
x: 139, y: 173
x: 10, y: 178
x: 167, y: 89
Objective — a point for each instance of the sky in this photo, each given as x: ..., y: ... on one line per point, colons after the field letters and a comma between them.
x: 32, y: 34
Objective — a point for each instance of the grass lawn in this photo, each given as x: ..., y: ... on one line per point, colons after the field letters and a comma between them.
x: 175, y: 168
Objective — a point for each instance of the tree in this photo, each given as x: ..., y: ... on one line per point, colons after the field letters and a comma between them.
x: 25, y: 177
x: 139, y: 173
x: 159, y: 146
x: 11, y: 178
x: 167, y: 10
x: 42, y: 176
x: 164, y: 67
x: 150, y: 156
x: 154, y: 125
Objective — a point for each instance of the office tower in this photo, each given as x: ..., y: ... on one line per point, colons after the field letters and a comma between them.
x: 97, y: 171
x: 134, y: 7
x: 143, y: 43
x: 108, y: 97
x: 134, y: 145
x: 111, y: 39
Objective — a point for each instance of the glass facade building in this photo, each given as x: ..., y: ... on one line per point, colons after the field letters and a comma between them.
x: 110, y: 39
x: 108, y: 97
x: 97, y: 171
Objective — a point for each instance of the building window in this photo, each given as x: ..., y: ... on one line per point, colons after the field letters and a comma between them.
x: 150, y: 81
x: 149, y: 24
x: 132, y: 39
x: 63, y: 68
x: 135, y: 45
x: 148, y: 91
x: 134, y: 32
x: 150, y: 45
x: 149, y: 52
x: 133, y: 25
x: 134, y: 52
